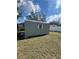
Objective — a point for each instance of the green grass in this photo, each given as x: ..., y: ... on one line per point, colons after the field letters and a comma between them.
x: 44, y: 47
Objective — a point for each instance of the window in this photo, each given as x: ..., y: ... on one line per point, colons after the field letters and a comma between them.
x: 40, y: 26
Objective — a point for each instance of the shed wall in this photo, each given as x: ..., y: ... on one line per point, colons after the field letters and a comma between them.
x: 36, y: 28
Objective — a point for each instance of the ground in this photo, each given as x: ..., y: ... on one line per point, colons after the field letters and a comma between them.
x: 43, y: 47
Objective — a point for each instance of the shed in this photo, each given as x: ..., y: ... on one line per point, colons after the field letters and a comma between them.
x: 34, y: 28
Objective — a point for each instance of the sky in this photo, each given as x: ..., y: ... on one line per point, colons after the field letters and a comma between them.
x: 51, y: 8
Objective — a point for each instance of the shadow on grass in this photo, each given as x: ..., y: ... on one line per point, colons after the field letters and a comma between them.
x: 56, y: 31
x: 22, y: 37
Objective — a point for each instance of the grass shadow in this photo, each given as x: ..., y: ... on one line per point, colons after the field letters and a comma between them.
x: 29, y: 37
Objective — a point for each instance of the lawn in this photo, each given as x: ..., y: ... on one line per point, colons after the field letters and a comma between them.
x: 43, y: 47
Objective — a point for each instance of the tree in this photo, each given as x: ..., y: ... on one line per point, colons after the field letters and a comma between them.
x: 38, y: 16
